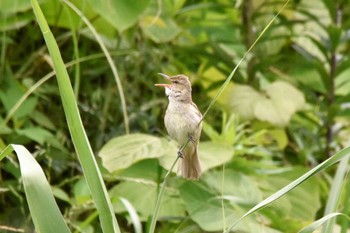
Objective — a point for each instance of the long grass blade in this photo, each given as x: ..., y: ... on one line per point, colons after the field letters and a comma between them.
x: 42, y: 205
x: 227, y: 81
x: 329, y: 162
x: 89, y: 165
x: 109, y: 59
x: 334, y: 195
x: 312, y: 227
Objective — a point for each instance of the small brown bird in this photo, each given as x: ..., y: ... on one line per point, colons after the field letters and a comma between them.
x: 183, y: 122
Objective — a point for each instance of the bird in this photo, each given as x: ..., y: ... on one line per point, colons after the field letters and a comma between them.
x: 183, y: 122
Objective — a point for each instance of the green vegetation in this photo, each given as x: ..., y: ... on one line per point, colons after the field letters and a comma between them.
x: 77, y: 91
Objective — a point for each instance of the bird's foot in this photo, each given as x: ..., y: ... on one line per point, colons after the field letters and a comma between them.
x: 191, y: 139
x: 180, y: 154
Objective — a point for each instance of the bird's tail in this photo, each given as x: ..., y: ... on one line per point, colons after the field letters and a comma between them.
x: 189, y: 165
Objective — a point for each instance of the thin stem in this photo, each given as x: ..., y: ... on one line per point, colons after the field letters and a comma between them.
x: 331, y: 90
x: 227, y: 81
x: 110, y: 61
x: 160, y: 196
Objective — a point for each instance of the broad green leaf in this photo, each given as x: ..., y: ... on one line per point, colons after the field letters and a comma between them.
x: 14, y: 6
x: 242, y: 101
x: 160, y: 29
x: 342, y: 83
x: 286, y: 96
x: 43, y: 208
x: 171, y: 205
x: 275, y: 104
x: 58, y: 15
x: 119, y: 13
x: 211, y: 154
x: 237, y: 187
x: 205, y: 208
x: 214, y: 154
x: 121, y: 152
x: 145, y: 169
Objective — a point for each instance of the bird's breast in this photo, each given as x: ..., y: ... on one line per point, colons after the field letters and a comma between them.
x: 181, y: 120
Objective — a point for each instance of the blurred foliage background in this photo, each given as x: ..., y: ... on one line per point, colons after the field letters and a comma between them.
x: 286, y: 110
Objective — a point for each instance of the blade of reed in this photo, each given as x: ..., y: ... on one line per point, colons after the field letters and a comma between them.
x: 82, y: 146
x: 109, y: 59
x: 42, y: 205
x: 335, y: 158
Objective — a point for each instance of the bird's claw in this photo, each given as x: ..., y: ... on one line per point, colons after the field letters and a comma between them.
x: 191, y: 139
x: 179, y: 153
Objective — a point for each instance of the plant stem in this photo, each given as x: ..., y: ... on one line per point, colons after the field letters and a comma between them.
x: 331, y: 90
x: 248, y: 33
x: 160, y: 196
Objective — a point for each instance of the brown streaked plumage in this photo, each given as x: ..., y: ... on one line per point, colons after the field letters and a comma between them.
x: 183, y: 122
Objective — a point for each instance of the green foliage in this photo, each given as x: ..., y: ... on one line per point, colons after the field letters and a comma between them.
x: 284, y: 112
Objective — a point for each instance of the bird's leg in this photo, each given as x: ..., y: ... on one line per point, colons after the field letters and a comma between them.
x: 179, y: 153
x: 191, y: 139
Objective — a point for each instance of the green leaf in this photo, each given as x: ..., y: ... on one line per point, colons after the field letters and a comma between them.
x: 335, y: 158
x: 43, y: 208
x: 205, y: 208
x: 342, y: 83
x: 37, y: 134
x: 300, y: 204
x: 313, y: 226
x: 14, y: 6
x: 121, y: 152
x: 275, y: 104
x: 57, y: 14
x: 236, y: 186
x: 171, y: 205
x: 82, y: 146
x: 15, y: 22
x: 160, y: 29
x: 242, y: 101
x: 9, y: 97
x: 121, y: 14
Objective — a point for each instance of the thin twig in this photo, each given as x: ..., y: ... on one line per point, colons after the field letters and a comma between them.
x: 160, y: 196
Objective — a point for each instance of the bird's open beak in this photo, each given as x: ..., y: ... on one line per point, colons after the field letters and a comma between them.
x: 161, y: 84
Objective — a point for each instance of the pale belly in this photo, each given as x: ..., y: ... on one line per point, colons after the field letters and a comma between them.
x: 182, y: 122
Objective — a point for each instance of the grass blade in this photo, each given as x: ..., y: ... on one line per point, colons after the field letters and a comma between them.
x: 42, y: 205
x: 335, y: 158
x: 334, y: 195
x: 109, y: 59
x: 312, y: 227
x: 89, y: 165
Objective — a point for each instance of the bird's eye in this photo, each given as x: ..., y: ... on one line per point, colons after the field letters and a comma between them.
x: 176, y: 82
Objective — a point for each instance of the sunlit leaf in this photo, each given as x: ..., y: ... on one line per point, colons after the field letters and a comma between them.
x: 275, y: 104
x: 123, y: 151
